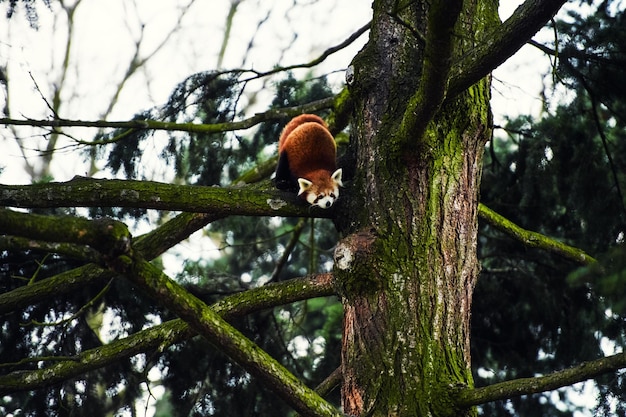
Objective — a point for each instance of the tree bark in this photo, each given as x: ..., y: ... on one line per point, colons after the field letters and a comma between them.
x: 407, y: 266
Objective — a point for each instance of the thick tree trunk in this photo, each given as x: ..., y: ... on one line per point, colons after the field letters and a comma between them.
x: 407, y: 266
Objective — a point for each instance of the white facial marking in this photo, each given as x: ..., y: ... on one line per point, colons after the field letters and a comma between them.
x: 323, y: 200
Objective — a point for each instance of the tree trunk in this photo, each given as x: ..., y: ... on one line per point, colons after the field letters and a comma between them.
x: 407, y: 266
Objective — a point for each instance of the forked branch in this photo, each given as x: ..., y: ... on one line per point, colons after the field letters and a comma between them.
x: 210, y: 325
x: 505, y: 41
x: 157, y: 337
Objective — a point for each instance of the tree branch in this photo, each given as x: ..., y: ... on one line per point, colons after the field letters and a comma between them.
x: 527, y: 20
x: 52, y: 287
x: 533, y: 239
x: 442, y: 17
x: 89, y: 192
x: 170, y: 126
x: 150, y: 245
x: 524, y: 386
x: 157, y: 337
x: 229, y: 340
x: 108, y: 236
x: 328, y: 52
x: 20, y: 244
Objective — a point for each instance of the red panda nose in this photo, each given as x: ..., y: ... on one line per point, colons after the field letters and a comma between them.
x: 328, y: 204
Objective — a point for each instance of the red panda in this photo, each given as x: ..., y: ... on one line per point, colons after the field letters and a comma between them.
x: 306, y: 161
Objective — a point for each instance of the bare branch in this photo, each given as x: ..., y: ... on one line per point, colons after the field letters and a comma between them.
x: 524, y: 386
x: 137, y: 62
x: 273, y: 114
x: 227, y: 29
x: 533, y: 239
x: 328, y: 52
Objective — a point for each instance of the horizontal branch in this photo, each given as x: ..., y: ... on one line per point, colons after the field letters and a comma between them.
x: 163, y: 335
x: 588, y: 370
x: 108, y: 236
x: 505, y: 41
x: 20, y: 244
x: 534, y: 239
x: 89, y: 192
x: 272, y: 114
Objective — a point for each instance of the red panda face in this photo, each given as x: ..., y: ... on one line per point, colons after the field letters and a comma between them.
x: 321, y: 192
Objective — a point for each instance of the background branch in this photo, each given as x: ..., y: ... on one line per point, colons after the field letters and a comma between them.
x: 170, y: 126
x: 157, y: 337
x: 229, y: 340
x: 328, y: 52
x: 524, y: 386
x: 533, y: 239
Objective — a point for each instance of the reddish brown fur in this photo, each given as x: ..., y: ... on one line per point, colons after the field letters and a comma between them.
x: 310, y: 148
x: 297, y: 121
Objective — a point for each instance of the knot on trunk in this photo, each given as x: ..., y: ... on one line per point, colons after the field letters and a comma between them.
x: 353, y: 264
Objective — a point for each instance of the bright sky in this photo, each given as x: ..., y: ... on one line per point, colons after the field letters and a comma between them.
x: 102, y: 46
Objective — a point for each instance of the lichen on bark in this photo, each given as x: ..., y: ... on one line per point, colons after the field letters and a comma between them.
x: 407, y: 298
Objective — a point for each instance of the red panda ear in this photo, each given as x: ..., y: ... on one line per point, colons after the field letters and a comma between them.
x: 304, y: 185
x: 337, y: 177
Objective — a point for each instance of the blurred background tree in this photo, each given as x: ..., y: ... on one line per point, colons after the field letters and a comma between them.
x: 561, y: 174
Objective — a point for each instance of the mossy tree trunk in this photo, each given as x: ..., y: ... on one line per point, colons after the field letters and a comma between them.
x: 407, y: 265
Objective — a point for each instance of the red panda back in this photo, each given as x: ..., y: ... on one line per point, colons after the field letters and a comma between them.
x: 297, y: 121
x: 309, y: 145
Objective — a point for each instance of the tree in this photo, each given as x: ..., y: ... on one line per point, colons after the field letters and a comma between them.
x: 405, y: 266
